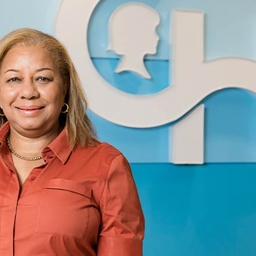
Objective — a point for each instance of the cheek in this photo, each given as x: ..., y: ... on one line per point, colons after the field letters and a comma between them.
x: 7, y: 95
x: 5, y: 89
x: 56, y: 101
x: 59, y: 96
x: 4, y: 95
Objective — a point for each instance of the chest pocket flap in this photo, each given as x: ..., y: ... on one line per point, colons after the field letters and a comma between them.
x: 69, y: 185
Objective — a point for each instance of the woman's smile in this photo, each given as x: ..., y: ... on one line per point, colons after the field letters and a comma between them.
x: 30, y: 110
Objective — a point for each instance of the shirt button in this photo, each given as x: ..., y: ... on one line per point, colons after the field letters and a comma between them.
x: 33, y: 178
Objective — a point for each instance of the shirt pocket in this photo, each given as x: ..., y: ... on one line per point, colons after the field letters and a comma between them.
x: 64, y: 208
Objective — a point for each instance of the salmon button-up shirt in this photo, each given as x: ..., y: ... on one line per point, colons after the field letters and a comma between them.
x: 81, y: 202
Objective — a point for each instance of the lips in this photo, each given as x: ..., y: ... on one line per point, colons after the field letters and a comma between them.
x: 30, y: 108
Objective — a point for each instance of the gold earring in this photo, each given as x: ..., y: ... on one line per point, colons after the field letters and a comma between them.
x: 2, y: 114
x: 66, y: 110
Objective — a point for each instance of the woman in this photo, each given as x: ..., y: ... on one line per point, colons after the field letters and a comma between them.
x: 62, y: 192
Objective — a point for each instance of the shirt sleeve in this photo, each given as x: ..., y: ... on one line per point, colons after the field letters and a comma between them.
x: 122, y: 228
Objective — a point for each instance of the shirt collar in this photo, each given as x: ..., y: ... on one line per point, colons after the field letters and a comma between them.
x: 59, y: 146
x: 4, y: 131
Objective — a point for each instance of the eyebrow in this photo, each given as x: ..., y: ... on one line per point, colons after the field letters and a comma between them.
x: 42, y: 69
x: 38, y: 70
x: 14, y: 70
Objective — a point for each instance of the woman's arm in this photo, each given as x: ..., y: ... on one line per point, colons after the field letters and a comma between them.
x: 122, y: 229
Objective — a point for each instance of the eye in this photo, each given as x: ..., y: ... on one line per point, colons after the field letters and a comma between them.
x: 13, y: 80
x: 43, y: 79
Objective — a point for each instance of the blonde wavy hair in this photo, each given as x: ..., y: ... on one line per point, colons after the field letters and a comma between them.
x: 79, y: 128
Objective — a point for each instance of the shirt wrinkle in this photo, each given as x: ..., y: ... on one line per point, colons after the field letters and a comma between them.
x: 107, y: 176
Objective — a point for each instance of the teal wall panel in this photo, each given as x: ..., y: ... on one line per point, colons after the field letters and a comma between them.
x: 206, y: 210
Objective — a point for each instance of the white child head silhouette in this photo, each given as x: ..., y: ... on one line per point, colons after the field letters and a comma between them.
x: 132, y: 29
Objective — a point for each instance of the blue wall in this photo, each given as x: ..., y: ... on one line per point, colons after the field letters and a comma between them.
x: 206, y: 210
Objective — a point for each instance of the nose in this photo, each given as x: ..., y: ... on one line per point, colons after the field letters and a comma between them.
x: 28, y: 90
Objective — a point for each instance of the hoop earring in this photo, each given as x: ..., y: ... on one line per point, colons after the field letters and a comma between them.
x: 67, y: 108
x: 2, y: 114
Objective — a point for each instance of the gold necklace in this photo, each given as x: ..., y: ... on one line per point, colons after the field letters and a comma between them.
x: 35, y: 158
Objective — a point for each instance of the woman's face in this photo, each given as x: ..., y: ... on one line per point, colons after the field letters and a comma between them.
x: 32, y: 91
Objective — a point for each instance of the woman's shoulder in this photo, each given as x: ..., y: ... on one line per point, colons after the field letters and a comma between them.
x: 106, y: 148
x: 102, y: 154
x: 103, y: 150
